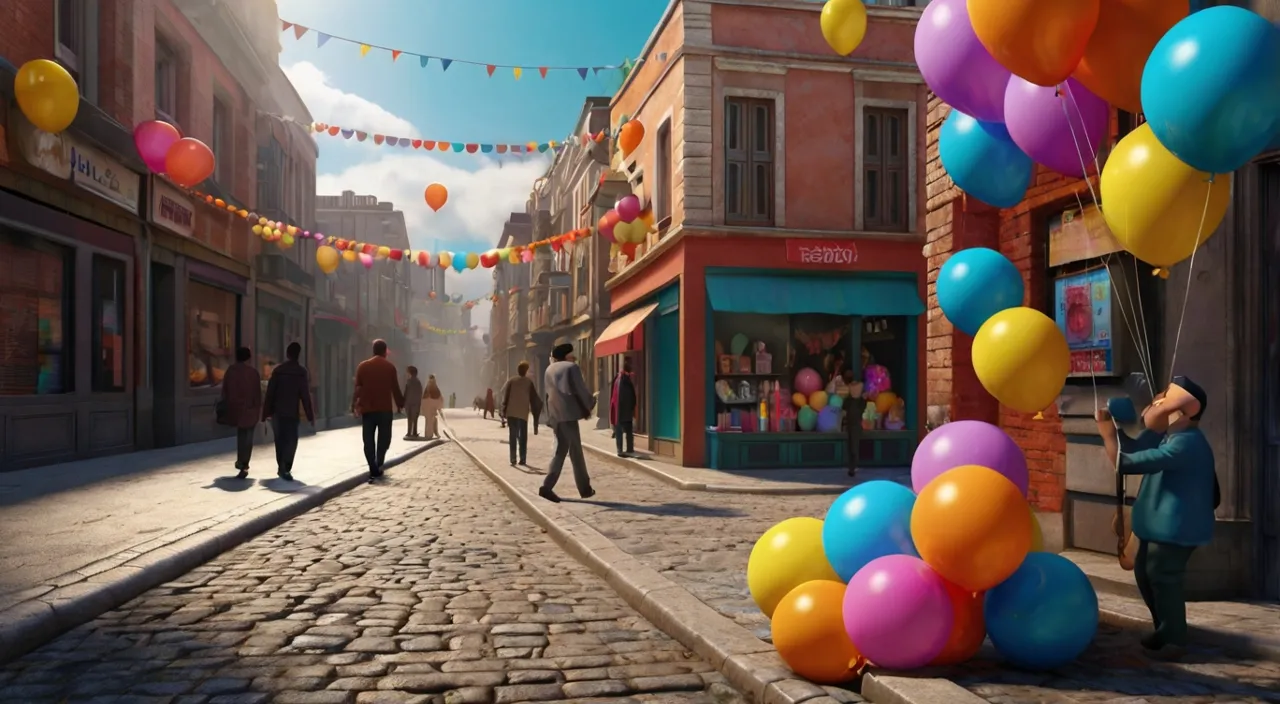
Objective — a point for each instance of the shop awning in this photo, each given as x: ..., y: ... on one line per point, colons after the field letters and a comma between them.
x: 784, y: 295
x: 616, y: 338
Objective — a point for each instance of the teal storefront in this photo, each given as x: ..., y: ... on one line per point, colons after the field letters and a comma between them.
x: 649, y: 335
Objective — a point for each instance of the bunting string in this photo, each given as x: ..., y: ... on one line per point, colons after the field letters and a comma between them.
x: 449, y: 146
x: 442, y: 331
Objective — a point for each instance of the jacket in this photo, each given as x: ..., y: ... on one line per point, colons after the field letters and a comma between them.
x: 520, y: 398
x: 242, y: 396
x: 378, y: 387
x: 1179, y: 486
x: 413, y: 394
x: 622, y: 406
x: 288, y: 389
x: 568, y: 398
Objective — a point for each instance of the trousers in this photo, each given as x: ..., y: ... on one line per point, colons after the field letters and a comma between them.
x: 244, y: 446
x: 286, y: 430
x: 1161, y: 572
x: 518, y: 438
x: 568, y: 444
x: 376, y: 425
x: 625, y: 428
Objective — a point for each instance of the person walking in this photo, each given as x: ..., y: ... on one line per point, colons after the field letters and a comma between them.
x: 377, y: 399
x: 568, y: 401
x: 288, y: 398
x: 240, y: 406
x: 519, y: 399
x: 489, y: 407
x: 432, y: 406
x: 453, y: 399
x: 412, y: 401
x: 622, y: 409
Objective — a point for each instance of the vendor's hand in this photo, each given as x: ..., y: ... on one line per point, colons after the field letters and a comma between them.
x: 1102, y: 415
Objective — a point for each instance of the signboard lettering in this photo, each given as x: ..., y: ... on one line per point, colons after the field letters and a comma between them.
x: 170, y: 209
x: 829, y: 252
x: 96, y: 172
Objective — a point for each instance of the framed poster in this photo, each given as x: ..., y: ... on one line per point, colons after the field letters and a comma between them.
x: 1082, y: 309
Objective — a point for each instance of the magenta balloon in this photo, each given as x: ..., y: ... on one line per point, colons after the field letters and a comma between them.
x: 153, y: 139
x: 966, y: 442
x: 628, y: 208
x: 956, y: 65
x: 807, y: 381
x: 897, y: 612
x: 1060, y: 127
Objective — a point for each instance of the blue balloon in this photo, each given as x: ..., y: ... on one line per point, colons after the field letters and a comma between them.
x: 868, y: 522
x: 835, y: 401
x: 1044, y: 615
x: 459, y: 263
x: 983, y: 161
x: 1211, y: 88
x: 975, y: 284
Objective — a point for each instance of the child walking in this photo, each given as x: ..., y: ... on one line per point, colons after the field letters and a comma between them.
x: 412, y: 401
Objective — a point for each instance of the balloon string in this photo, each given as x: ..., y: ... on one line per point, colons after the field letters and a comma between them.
x: 1191, y: 268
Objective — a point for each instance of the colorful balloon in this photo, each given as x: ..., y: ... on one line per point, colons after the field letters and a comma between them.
x: 348, y: 255
x: 47, y: 95
x: 818, y: 400
x: 629, y: 137
x: 436, y: 196
x: 1021, y: 358
x: 786, y: 556
x: 627, y: 207
x: 808, y: 632
x: 1040, y: 40
x: 444, y: 259
x: 975, y: 284
x: 1127, y: 31
x: 806, y: 418
x: 1211, y: 88
x: 367, y: 260
x: 897, y: 612
x: 983, y: 161
x: 489, y: 259
x: 844, y: 25
x: 459, y: 263
x: 1044, y: 615
x: 623, y: 232
x: 1061, y: 127
x: 189, y: 162
x: 968, y: 628
x: 1154, y: 204
x: 807, y: 381
x: 327, y: 258
x: 867, y: 522
x: 473, y: 260
x: 799, y: 400
x: 958, y: 69
x: 968, y: 442
x: 829, y: 419
x: 884, y: 401
x: 153, y: 139
x: 972, y: 526
x: 607, y: 222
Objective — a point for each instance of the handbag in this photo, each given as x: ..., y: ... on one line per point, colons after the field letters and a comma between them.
x: 221, y: 412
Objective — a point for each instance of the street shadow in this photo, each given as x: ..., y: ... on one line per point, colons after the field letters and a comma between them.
x: 531, y: 470
x: 668, y: 509
x: 230, y: 484
x: 282, y: 486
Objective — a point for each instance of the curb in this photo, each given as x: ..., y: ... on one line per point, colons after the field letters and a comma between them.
x: 84, y: 595
x: 751, y: 665
x: 1253, y: 646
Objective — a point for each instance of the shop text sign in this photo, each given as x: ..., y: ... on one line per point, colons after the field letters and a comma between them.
x: 170, y: 209
x: 96, y: 172
x: 834, y: 252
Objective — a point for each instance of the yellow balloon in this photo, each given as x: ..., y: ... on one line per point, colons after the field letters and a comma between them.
x: 884, y: 401
x: 1153, y: 203
x: 47, y: 95
x: 257, y: 229
x: 1037, y: 533
x: 473, y: 260
x: 514, y: 258
x: 348, y: 255
x: 1021, y: 358
x: 818, y: 400
x: 786, y: 556
x: 844, y: 24
x: 444, y: 259
x: 613, y: 250
x: 327, y: 259
x: 384, y: 252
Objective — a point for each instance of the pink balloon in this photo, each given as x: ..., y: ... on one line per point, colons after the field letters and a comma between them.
x: 153, y: 139
x: 367, y: 260
x: 1062, y: 127
x: 628, y: 208
x: 808, y: 381
x: 896, y: 610
x: 526, y: 255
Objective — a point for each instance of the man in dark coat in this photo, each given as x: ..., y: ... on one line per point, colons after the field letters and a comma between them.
x: 288, y: 396
x: 239, y: 406
x: 622, y: 408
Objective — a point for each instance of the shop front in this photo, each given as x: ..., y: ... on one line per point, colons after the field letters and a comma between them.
x: 334, y: 368
x: 647, y: 335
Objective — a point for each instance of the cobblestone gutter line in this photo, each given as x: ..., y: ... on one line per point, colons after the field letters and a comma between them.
x: 82, y: 595
x: 772, y: 489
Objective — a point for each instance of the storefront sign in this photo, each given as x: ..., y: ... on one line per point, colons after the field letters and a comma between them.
x: 821, y: 252
x: 1082, y: 307
x: 51, y: 153
x: 1077, y: 235
x: 96, y: 172
x: 170, y: 209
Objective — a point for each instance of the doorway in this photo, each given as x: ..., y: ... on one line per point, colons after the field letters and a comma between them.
x: 164, y: 346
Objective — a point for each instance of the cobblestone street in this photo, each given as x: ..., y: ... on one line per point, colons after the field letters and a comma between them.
x: 430, y: 587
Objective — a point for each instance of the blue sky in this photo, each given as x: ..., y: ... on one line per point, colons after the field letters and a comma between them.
x: 462, y: 104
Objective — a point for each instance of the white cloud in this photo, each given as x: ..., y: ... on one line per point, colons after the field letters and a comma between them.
x: 324, y: 99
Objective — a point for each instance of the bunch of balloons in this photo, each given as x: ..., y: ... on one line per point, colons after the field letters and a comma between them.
x: 184, y: 160
x: 905, y: 578
x: 1033, y: 81
x: 815, y: 408
x: 625, y: 224
x: 47, y: 95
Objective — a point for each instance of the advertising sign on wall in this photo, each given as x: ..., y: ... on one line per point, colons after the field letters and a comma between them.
x: 1077, y: 235
x: 1082, y: 309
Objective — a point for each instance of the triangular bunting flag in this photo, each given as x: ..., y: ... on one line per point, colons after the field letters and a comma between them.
x: 471, y: 148
x: 542, y: 70
x: 395, y: 54
x: 298, y: 31
x: 334, y: 130
x: 379, y: 139
x: 404, y: 141
x: 582, y: 73
x: 458, y: 147
x: 284, y: 26
x: 428, y: 144
x: 598, y: 69
x: 361, y: 136
x: 442, y: 146
x: 501, y: 148
x: 423, y: 61
x: 391, y: 141
x: 417, y: 143
x: 490, y: 69
x: 346, y: 134
x: 517, y: 71
x: 445, y: 63
x: 321, y: 39
x: 364, y: 50
x: 486, y: 148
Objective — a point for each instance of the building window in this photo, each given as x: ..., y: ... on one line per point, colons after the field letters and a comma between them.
x: 76, y: 29
x: 35, y: 316
x: 663, y: 157
x: 167, y: 63
x: 223, y: 136
x: 748, y: 161
x: 213, y: 324
x: 884, y: 169
x: 270, y: 181
x: 108, y: 324
x: 270, y: 340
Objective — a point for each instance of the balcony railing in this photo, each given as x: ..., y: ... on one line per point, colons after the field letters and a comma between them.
x: 539, y: 318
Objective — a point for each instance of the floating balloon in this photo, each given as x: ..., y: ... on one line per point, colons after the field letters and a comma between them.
x: 1044, y: 615
x: 799, y: 400
x: 189, y: 162
x: 526, y: 256
x: 348, y: 255
x: 806, y: 418
x: 897, y: 613
x: 473, y: 260
x: 818, y: 400
x: 844, y: 25
x: 436, y: 196
x: 958, y: 69
x: 623, y: 232
x: 424, y: 259
x: 786, y: 556
x: 968, y: 628
x: 459, y: 263
x: 808, y: 632
x: 1155, y: 204
x: 829, y: 419
x: 835, y: 401
x: 807, y: 381
x: 1021, y: 358
x: 607, y: 222
x: 968, y: 442
x: 153, y: 139
x: 327, y: 258
x: 867, y: 522
x: 983, y: 161
x: 884, y: 401
x: 1040, y: 40
x: 489, y: 259
x: 47, y: 95
x: 627, y: 207
x: 1127, y: 31
x: 1062, y: 127
x: 384, y: 252
x: 367, y: 260
x: 629, y: 136
x: 972, y: 526
x: 975, y: 284
x: 444, y: 259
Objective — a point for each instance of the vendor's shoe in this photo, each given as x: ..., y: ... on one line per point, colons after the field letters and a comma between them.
x: 548, y: 494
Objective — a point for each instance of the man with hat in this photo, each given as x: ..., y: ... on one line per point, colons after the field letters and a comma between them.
x: 1174, y: 512
x: 568, y: 401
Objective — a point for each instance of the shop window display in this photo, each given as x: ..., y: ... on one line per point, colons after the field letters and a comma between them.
x: 35, y: 301
x: 212, y: 322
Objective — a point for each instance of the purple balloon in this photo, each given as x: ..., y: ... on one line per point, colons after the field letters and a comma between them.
x: 628, y: 208
x: 897, y: 612
x: 1061, y: 127
x: 956, y: 65
x: 966, y: 442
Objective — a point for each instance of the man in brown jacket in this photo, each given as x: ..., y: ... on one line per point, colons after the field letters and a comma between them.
x: 519, y: 399
x: 288, y: 396
x: 239, y: 406
x: 376, y: 400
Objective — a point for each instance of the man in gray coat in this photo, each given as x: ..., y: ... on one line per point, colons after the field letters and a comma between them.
x: 568, y: 401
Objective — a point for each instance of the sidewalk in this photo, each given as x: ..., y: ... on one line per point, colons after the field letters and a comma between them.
x: 82, y: 537
x: 653, y: 543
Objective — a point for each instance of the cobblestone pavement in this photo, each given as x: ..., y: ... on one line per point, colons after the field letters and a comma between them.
x: 702, y: 540
x: 429, y: 588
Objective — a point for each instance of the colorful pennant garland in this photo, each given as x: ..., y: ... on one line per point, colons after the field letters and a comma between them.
x: 442, y: 331
x: 383, y: 140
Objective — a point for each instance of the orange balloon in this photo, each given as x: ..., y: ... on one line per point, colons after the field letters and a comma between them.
x: 808, y: 632
x: 1127, y: 31
x: 970, y: 628
x: 436, y: 196
x: 629, y: 137
x: 1039, y: 40
x: 188, y: 162
x: 971, y: 525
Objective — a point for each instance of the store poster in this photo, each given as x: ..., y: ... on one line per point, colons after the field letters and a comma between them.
x: 1082, y: 305
x: 1080, y: 234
